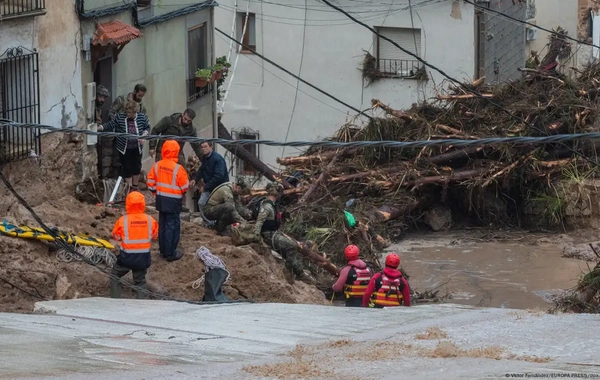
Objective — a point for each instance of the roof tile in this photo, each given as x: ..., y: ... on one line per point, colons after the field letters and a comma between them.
x: 114, y: 32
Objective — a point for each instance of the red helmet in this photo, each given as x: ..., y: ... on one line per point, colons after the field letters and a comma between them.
x: 392, y: 260
x: 351, y: 252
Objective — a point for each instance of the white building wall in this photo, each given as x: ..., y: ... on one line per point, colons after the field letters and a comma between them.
x: 333, y: 52
x: 550, y: 14
x: 56, y: 37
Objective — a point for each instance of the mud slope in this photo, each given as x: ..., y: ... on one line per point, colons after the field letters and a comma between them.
x: 48, y: 185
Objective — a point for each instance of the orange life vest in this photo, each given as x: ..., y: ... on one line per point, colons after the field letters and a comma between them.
x: 137, y: 233
x: 357, y: 281
x: 388, y: 292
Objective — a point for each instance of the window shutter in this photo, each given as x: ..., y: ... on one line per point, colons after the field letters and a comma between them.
x: 403, y: 37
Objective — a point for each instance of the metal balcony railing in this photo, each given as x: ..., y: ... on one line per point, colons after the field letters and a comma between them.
x: 399, y: 68
x: 194, y: 92
x: 18, y: 8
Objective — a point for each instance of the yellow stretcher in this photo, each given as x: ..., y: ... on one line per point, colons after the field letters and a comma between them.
x: 27, y: 232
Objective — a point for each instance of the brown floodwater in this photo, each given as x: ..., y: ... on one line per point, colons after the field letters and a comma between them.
x: 510, y: 275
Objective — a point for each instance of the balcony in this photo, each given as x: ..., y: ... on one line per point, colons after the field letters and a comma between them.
x: 21, y: 8
x: 399, y: 68
x: 194, y: 92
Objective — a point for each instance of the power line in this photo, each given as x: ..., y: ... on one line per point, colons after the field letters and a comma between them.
x: 517, y: 140
x: 66, y: 246
x: 528, y: 23
x: 23, y: 290
x: 293, y: 75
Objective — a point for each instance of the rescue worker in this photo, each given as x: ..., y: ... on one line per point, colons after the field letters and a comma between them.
x: 223, y: 205
x: 135, y: 231
x: 102, y: 94
x: 354, y: 278
x: 267, y: 226
x: 168, y: 181
x: 388, y: 287
x: 177, y: 124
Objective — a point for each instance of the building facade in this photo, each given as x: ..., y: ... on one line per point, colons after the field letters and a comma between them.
x: 329, y: 50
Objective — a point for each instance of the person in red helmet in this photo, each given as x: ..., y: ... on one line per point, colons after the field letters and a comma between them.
x: 354, y: 278
x: 388, y: 287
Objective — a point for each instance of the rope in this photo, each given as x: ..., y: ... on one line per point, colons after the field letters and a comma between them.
x: 517, y: 140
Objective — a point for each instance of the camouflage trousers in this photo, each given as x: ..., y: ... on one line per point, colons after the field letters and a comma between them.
x: 225, y: 214
x: 287, y: 248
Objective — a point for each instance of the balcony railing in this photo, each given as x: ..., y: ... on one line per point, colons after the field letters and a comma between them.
x: 194, y: 92
x: 399, y: 68
x: 20, y: 8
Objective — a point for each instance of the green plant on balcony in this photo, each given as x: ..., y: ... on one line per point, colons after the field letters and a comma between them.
x: 203, y: 77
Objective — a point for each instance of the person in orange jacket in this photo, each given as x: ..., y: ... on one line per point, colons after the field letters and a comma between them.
x: 388, y: 287
x: 135, y: 231
x: 354, y: 278
x: 168, y: 181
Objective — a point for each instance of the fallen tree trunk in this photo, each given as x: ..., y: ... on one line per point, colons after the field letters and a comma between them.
x: 386, y: 213
x: 455, y: 155
x: 314, y: 158
x: 244, y: 155
x: 465, y: 96
x: 391, y: 111
x: 350, y: 177
x: 454, y: 176
x: 325, y: 172
x: 309, y: 251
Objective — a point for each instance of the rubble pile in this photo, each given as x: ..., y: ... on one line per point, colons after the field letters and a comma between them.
x: 389, y: 191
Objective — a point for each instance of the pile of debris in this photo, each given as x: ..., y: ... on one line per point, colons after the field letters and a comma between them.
x: 342, y: 194
x: 585, y: 297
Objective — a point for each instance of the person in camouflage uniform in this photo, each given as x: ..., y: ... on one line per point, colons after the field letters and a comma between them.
x: 137, y: 95
x: 267, y: 226
x: 177, y: 124
x: 224, y: 207
x: 102, y: 94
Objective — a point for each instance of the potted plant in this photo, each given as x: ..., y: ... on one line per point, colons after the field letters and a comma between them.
x: 203, y: 77
x: 222, y: 61
x: 217, y: 71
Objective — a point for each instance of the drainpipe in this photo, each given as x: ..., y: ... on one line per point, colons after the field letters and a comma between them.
x: 216, y: 88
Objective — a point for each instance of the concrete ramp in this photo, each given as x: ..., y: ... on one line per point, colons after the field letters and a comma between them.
x: 106, y: 338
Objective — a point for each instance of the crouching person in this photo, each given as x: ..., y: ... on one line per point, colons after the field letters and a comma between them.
x: 135, y: 231
x: 388, y: 287
x: 354, y: 278
x: 223, y: 205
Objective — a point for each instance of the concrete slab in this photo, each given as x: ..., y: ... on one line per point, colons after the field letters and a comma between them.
x: 106, y: 338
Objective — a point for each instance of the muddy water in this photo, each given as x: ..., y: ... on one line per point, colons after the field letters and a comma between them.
x: 520, y: 276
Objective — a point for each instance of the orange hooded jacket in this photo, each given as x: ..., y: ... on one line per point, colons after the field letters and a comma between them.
x: 135, y: 231
x: 168, y: 180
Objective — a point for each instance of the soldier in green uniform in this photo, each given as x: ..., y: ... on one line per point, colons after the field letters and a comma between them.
x: 267, y: 226
x: 137, y: 95
x: 224, y: 207
x: 177, y: 124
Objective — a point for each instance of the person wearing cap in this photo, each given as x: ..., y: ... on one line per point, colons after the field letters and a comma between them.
x: 223, y: 205
x: 354, y: 277
x: 267, y: 226
x: 387, y: 288
x: 102, y: 94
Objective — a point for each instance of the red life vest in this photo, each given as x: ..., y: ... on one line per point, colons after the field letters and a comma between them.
x: 357, y: 281
x: 388, y: 292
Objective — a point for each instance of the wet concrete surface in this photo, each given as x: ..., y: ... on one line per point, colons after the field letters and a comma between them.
x: 491, y: 274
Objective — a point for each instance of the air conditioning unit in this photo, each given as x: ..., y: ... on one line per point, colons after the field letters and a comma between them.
x: 531, y: 34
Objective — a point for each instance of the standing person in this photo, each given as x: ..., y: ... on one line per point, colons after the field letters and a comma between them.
x: 137, y: 96
x: 213, y: 172
x: 135, y: 231
x: 354, y: 278
x: 102, y: 94
x: 388, y: 287
x: 168, y: 181
x: 178, y: 124
x: 130, y: 149
x: 267, y: 226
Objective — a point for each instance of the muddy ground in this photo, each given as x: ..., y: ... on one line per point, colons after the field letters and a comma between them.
x: 48, y: 185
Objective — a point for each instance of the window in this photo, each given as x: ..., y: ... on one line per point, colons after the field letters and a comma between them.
x: 19, y: 102
x: 242, y: 167
x: 393, y: 61
x: 197, y: 59
x: 144, y: 3
x: 20, y: 8
x: 249, y: 37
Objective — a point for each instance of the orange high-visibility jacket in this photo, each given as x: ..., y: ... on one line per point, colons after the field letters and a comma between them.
x: 168, y: 180
x: 135, y: 232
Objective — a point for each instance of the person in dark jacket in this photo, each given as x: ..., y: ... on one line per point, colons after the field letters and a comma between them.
x: 213, y: 173
x: 130, y: 149
x: 168, y: 181
x: 135, y: 232
x: 177, y: 124
x: 389, y: 287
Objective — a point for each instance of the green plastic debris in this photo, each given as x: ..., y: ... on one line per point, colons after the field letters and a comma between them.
x: 350, y: 219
